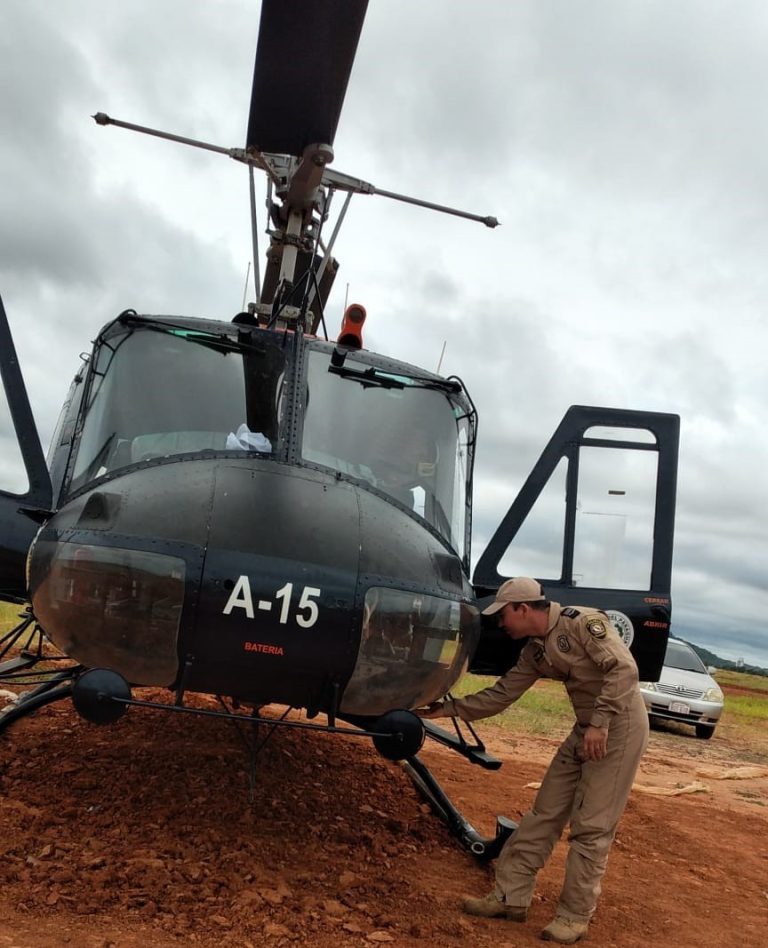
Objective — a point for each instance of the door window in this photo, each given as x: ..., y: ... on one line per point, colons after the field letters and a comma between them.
x: 616, y: 500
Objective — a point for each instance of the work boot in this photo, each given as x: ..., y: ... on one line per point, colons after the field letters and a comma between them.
x: 564, y: 930
x: 492, y: 906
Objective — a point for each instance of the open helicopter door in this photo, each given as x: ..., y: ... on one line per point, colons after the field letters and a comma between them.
x: 25, y: 488
x: 594, y: 523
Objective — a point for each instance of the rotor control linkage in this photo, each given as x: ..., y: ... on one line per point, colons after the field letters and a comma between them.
x: 101, y: 118
x: 300, y: 189
x: 303, y: 177
x: 430, y: 206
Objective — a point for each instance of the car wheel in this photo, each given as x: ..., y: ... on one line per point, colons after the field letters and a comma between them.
x: 704, y: 731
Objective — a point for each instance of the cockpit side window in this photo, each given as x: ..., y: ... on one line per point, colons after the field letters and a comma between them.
x: 411, y: 442
x: 160, y: 393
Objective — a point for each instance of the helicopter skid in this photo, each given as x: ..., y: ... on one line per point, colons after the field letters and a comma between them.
x: 22, y: 649
x: 484, y: 848
x: 56, y: 688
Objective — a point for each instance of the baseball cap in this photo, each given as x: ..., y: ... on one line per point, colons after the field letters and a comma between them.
x: 519, y: 589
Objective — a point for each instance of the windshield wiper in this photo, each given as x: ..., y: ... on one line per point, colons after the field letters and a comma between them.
x: 219, y: 343
x: 375, y: 377
x: 368, y: 378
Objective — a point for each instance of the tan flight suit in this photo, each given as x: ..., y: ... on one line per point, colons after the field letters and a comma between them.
x: 583, y: 650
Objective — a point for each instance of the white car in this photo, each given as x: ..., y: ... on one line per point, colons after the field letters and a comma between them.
x: 686, y: 691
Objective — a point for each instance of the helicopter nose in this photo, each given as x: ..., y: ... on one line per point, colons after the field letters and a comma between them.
x: 262, y: 581
x: 226, y: 576
x: 276, y: 613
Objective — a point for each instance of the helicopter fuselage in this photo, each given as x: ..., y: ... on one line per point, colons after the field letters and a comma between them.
x: 228, y: 525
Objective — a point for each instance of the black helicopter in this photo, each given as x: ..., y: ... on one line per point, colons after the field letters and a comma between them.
x: 248, y: 510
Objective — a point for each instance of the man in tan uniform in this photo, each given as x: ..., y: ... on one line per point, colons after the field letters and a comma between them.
x: 590, y: 777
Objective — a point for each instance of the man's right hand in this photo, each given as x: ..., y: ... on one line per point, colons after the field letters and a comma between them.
x: 594, y: 743
x: 434, y: 710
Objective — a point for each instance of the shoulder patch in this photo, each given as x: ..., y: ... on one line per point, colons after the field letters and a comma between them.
x: 597, y: 628
x: 538, y: 653
x: 563, y: 643
x: 570, y: 612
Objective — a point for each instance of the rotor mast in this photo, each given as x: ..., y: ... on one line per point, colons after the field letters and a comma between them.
x: 304, y: 58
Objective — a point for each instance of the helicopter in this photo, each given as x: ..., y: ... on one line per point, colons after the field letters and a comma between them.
x: 254, y: 511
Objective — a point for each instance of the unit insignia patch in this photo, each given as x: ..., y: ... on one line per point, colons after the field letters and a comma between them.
x: 597, y: 628
x: 623, y: 625
x: 563, y: 643
x: 538, y: 653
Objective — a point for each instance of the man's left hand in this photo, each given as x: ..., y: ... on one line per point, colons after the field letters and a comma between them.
x: 594, y: 743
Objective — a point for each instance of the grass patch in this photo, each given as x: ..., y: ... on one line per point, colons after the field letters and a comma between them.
x: 9, y: 615
x: 543, y: 710
x: 750, y: 708
x: 747, y: 709
x: 736, y: 679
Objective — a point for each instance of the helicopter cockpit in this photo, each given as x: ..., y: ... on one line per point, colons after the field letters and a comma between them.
x: 160, y: 389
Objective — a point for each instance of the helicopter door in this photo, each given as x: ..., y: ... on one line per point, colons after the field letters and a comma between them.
x: 594, y: 523
x: 25, y: 485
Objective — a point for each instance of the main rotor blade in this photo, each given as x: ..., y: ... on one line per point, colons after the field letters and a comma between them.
x: 303, y: 60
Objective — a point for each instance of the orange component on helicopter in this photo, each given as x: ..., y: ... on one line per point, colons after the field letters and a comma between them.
x: 352, y: 327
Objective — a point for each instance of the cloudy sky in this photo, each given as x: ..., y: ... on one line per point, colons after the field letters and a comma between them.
x: 622, y: 145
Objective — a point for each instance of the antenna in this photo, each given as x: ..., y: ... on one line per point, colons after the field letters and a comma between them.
x: 245, y: 288
x: 440, y: 360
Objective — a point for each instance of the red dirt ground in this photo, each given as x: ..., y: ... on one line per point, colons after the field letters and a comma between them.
x: 142, y: 834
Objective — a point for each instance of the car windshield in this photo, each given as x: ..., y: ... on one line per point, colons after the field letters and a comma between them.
x: 159, y: 390
x: 413, y: 442
x: 683, y: 657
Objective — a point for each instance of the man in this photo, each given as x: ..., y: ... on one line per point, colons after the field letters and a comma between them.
x: 590, y: 777
x: 404, y: 463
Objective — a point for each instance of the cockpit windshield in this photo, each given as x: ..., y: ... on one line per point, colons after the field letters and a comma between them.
x: 411, y: 441
x: 159, y: 390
